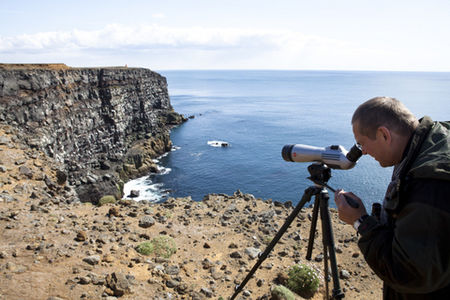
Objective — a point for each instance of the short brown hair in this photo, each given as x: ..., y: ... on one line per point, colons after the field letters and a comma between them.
x: 384, y: 111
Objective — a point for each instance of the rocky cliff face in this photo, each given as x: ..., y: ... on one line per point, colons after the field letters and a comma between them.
x: 102, y: 125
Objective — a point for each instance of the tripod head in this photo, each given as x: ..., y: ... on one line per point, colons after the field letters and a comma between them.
x: 320, y: 173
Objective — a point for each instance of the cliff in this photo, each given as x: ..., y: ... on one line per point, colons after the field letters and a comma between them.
x: 101, y: 125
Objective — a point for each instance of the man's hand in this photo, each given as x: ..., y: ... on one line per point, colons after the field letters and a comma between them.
x: 347, y: 213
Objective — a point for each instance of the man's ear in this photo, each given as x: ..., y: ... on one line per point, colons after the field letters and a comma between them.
x: 385, y: 134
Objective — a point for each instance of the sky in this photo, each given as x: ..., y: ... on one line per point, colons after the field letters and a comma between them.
x: 392, y: 35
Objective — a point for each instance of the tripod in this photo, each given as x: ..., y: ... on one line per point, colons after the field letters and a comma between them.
x: 320, y: 174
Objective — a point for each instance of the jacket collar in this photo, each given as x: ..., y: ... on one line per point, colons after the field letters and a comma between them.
x: 392, y: 197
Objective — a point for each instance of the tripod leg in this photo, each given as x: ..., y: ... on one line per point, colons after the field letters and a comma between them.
x: 328, y: 241
x: 312, y: 229
x: 305, y: 198
x: 325, y: 267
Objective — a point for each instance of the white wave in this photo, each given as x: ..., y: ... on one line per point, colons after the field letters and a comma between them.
x: 163, y: 155
x: 163, y: 170
x: 148, y: 190
x: 196, y: 154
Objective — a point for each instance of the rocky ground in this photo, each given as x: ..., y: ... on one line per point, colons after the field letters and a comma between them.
x: 55, y: 248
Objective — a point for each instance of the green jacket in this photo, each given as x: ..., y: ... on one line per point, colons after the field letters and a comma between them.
x: 409, y: 249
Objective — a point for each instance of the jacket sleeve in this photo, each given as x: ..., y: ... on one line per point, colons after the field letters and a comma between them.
x: 414, y: 255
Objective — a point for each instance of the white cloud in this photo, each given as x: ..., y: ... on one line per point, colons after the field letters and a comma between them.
x: 147, y: 37
x: 159, y: 16
x: 194, y: 47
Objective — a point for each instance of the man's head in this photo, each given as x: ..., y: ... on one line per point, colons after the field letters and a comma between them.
x: 383, y: 126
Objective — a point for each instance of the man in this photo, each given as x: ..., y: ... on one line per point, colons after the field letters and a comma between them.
x: 409, y: 246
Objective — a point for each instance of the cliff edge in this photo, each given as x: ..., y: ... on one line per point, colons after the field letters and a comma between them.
x: 101, y: 125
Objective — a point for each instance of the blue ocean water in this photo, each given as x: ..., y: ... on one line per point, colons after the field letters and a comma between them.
x: 258, y: 112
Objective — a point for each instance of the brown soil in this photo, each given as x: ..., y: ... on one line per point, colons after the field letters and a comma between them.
x: 44, y: 242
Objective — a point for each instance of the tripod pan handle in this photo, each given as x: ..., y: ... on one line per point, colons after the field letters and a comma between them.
x: 351, y: 201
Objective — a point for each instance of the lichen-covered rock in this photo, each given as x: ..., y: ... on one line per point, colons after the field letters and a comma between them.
x: 118, y: 284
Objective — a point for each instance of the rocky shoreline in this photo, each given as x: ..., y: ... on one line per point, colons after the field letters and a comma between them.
x: 57, y: 243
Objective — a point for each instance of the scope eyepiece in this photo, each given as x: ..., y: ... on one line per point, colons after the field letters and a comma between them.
x: 354, y: 154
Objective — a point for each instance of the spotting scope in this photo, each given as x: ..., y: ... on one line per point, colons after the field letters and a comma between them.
x: 334, y: 156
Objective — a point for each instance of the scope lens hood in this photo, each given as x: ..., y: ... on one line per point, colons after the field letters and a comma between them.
x: 286, y: 152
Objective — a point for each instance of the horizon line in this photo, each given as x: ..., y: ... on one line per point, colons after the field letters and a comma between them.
x: 299, y: 70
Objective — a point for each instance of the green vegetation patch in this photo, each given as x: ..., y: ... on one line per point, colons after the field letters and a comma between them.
x: 162, y: 245
x: 303, y: 280
x: 145, y: 248
x: 106, y: 199
x: 280, y: 292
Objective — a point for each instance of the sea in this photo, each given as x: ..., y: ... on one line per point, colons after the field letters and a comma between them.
x: 256, y: 113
